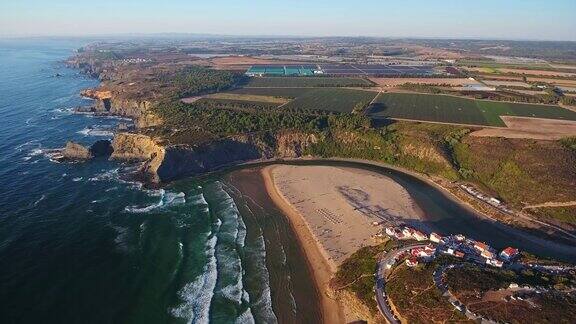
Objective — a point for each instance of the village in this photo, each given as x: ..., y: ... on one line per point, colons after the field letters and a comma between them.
x: 456, y: 245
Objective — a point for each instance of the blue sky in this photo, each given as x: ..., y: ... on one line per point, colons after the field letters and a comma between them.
x: 508, y: 19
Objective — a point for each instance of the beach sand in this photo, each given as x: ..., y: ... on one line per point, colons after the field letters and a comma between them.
x: 332, y: 210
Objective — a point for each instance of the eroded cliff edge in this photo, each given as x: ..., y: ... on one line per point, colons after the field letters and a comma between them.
x: 164, y: 164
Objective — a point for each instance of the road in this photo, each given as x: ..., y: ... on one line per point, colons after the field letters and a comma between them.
x: 381, y: 275
x: 458, y: 306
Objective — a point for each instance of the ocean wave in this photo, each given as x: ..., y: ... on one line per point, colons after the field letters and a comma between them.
x: 246, y: 317
x: 106, y: 175
x: 51, y: 154
x: 33, y: 142
x: 167, y: 199
x: 39, y: 200
x: 196, y: 296
x: 77, y: 179
x: 231, y: 235
x: 198, y: 199
x: 95, y: 132
x: 263, y: 304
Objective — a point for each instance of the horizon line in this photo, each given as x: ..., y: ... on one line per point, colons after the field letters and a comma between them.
x: 255, y: 36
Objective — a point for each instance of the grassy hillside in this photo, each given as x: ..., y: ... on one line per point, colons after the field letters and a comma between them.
x: 414, y: 294
x: 356, y: 274
x: 519, y: 171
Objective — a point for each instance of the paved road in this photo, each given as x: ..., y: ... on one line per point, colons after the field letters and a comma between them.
x: 381, y: 275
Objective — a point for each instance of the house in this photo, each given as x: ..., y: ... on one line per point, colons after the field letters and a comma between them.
x: 419, y: 236
x: 449, y: 251
x: 494, y: 263
x: 494, y: 202
x: 435, y: 237
x: 459, y: 254
x: 390, y: 231
x: 411, y: 262
x: 481, y: 246
x: 509, y: 253
x: 407, y: 231
x: 399, y: 235
x: 460, y: 237
x: 487, y: 254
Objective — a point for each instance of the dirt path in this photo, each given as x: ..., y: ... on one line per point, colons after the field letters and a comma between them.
x: 551, y: 204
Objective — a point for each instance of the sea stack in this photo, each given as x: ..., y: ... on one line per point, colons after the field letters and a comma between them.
x: 76, y: 151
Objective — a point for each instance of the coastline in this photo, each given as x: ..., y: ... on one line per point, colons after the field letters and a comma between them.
x: 322, y: 269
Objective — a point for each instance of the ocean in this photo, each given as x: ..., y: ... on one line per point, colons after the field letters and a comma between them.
x: 80, y: 245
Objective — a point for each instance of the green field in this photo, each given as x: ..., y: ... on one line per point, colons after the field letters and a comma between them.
x: 448, y: 109
x: 308, y: 82
x: 328, y: 99
x: 289, y: 93
x: 337, y: 100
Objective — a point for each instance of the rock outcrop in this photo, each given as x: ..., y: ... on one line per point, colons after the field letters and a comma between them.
x: 173, y: 162
x: 76, y: 151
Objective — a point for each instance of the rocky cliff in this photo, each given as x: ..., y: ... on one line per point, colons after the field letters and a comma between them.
x: 164, y: 164
x: 117, y: 104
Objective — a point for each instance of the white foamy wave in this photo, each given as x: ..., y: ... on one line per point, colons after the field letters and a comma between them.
x: 198, y: 200
x: 53, y: 155
x: 77, y: 179
x: 264, y: 302
x: 197, y: 295
x: 166, y: 199
x: 106, y: 175
x: 39, y: 200
x: 33, y: 142
x: 232, y: 235
x: 63, y: 111
x: 245, y: 318
x: 96, y: 132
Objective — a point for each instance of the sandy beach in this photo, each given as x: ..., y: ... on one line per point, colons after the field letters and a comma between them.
x: 332, y: 210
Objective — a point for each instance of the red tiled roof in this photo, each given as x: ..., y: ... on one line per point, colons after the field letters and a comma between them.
x: 510, y: 250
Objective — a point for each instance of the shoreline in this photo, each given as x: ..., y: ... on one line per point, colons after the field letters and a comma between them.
x: 321, y: 268
x: 381, y: 166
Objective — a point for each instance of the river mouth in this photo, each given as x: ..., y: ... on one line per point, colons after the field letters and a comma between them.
x: 443, y: 213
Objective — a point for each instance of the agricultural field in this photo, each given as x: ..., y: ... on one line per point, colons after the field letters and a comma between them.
x: 288, y: 93
x: 248, y: 97
x: 449, y: 109
x: 336, y: 100
x: 236, y: 104
x: 392, y: 82
x: 279, y: 82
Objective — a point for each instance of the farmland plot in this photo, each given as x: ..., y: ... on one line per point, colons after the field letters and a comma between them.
x: 336, y: 100
x: 289, y: 93
x: 448, y: 109
x: 278, y: 82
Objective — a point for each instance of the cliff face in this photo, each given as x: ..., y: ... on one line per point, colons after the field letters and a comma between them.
x: 173, y: 162
x: 108, y: 102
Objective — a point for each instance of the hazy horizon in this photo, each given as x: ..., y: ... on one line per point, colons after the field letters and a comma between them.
x: 490, y: 19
